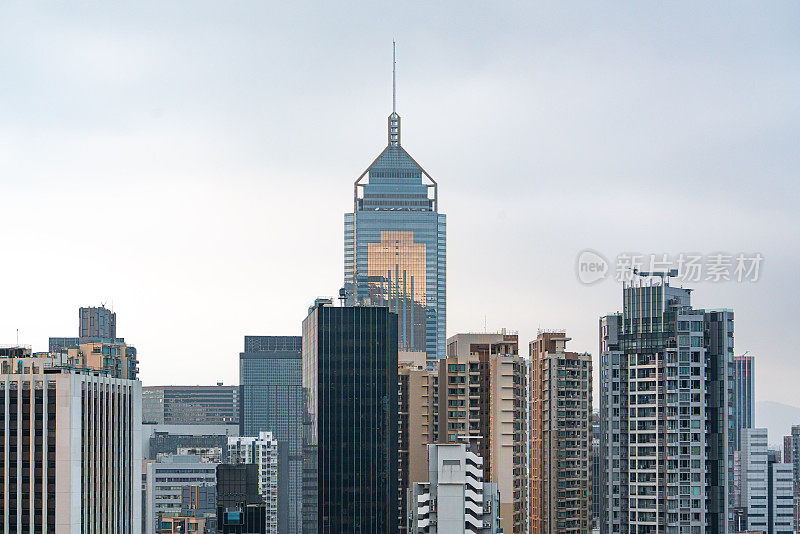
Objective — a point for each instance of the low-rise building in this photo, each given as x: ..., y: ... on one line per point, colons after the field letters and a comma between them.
x: 164, y: 482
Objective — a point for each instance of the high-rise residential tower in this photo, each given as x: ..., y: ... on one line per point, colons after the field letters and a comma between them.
x: 271, y: 393
x: 744, y: 381
x: 666, y: 409
x: 560, y: 385
x: 479, y: 393
x: 351, y: 469
x: 394, y: 246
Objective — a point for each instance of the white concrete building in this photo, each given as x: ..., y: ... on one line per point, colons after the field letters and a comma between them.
x: 262, y: 451
x: 766, y: 485
x: 455, y: 499
x: 71, y: 447
x: 164, y: 482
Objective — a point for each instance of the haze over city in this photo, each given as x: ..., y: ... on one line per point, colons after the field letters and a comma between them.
x: 191, y: 168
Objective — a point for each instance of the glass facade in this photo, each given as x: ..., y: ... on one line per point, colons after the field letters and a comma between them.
x: 190, y: 405
x: 271, y: 392
x: 395, y: 249
x: 350, y: 382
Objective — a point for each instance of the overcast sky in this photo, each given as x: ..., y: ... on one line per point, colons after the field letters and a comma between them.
x: 189, y: 163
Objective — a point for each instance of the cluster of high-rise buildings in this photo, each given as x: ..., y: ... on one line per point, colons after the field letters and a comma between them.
x: 373, y: 421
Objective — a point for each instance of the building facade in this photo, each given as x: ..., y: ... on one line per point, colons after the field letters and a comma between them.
x: 271, y: 393
x: 164, y: 483
x: 240, y: 507
x: 791, y: 455
x: 191, y: 405
x: 97, y: 322
x: 767, y: 487
x: 169, y: 439
x: 350, y: 381
x: 72, y: 449
x: 744, y: 396
x: 263, y: 452
x: 413, y: 426
x: 666, y: 408
x: 182, y: 525
x: 97, y: 345
x: 454, y: 500
x: 395, y: 247
x: 560, y: 384
x: 479, y: 392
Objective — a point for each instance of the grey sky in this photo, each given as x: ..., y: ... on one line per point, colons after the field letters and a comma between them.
x: 191, y: 162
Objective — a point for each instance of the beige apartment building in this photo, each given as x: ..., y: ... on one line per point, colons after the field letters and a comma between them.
x: 560, y: 437
x: 478, y: 393
x: 413, y: 399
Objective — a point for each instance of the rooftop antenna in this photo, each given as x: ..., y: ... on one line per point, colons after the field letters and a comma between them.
x: 394, y: 76
x: 394, y: 118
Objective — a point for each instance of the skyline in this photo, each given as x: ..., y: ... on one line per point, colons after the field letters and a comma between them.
x: 172, y: 203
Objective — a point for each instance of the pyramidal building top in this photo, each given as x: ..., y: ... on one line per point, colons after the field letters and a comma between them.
x: 395, y: 173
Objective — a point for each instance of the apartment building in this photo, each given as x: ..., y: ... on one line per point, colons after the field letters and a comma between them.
x: 560, y: 383
x: 480, y: 393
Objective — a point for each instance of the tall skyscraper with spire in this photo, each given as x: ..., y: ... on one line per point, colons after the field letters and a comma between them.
x: 394, y: 244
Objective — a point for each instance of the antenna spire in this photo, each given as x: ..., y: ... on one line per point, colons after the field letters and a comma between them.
x: 394, y: 118
x: 394, y: 77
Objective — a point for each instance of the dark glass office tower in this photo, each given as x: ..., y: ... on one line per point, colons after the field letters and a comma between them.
x: 350, y: 479
x: 271, y: 396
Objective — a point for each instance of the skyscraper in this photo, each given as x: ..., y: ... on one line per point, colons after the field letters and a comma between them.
x: 350, y: 478
x: 560, y: 454
x: 71, y: 454
x: 271, y: 392
x: 394, y: 246
x: 480, y: 393
x: 744, y: 380
x: 666, y: 407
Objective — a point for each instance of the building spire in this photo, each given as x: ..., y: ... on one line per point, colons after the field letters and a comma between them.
x: 394, y: 77
x: 394, y: 118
